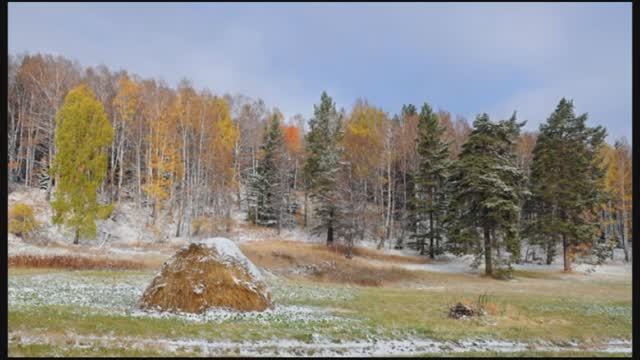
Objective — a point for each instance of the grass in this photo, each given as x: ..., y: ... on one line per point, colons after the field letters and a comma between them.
x: 517, y: 317
x: 320, y: 263
x: 73, y: 262
x: 526, y: 354
x: 51, y: 350
x: 543, y: 305
x: 388, y: 312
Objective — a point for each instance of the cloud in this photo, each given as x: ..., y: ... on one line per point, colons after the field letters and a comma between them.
x: 467, y: 58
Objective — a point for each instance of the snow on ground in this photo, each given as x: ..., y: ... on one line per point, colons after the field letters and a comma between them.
x: 279, y: 313
x: 126, y: 235
x: 118, y: 295
x: 320, y: 347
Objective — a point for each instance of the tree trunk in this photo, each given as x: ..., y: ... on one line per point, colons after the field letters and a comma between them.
x: 622, y: 238
x: 565, y: 249
x: 306, y: 207
x: 121, y: 170
x: 139, y: 176
x: 330, y: 229
x: 431, y: 249
x: 179, y: 223
x: 550, y: 246
x: 488, y: 267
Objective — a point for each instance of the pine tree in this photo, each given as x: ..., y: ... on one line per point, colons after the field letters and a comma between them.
x: 83, y: 135
x: 268, y: 184
x: 322, y: 145
x: 486, y: 190
x: 566, y: 179
x: 430, y: 181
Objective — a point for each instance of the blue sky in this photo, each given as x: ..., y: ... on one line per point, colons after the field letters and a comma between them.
x: 464, y: 58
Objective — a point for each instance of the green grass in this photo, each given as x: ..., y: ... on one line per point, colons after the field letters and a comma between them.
x: 531, y: 308
x: 518, y: 317
x: 47, y: 350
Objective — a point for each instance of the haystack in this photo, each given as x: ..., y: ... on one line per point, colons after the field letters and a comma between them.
x: 206, y: 274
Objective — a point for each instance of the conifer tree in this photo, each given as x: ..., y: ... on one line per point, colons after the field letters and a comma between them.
x: 486, y: 192
x: 322, y: 146
x: 267, y: 185
x: 83, y: 135
x: 566, y: 179
x: 430, y: 180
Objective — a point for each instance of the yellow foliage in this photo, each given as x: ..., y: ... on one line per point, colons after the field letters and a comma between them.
x: 223, y: 137
x: 165, y: 164
x: 127, y: 99
x: 22, y: 221
x: 364, y: 138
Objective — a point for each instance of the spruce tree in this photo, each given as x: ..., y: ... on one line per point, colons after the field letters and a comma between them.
x: 322, y: 145
x: 267, y: 185
x: 566, y: 180
x: 430, y: 179
x: 409, y: 219
x: 486, y: 192
x: 83, y: 135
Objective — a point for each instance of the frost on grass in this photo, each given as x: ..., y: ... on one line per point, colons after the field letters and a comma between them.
x: 276, y: 314
x: 113, y: 293
x: 118, y: 294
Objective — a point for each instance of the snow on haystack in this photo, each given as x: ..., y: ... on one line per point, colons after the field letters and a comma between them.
x: 211, y: 273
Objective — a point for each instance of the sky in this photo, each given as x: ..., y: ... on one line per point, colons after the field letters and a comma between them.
x: 463, y: 58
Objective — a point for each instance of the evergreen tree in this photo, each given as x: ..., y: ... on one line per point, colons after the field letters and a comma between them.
x: 486, y: 191
x: 566, y: 180
x: 430, y: 180
x: 322, y: 145
x: 83, y: 135
x: 268, y: 185
x: 409, y: 221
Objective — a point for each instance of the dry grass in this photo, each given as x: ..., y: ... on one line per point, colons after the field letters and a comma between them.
x: 377, y: 255
x: 189, y: 284
x: 326, y: 264
x: 74, y: 262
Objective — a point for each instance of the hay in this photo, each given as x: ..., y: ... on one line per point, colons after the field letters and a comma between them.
x: 205, y: 274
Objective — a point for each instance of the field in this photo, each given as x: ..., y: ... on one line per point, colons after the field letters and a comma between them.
x: 326, y: 305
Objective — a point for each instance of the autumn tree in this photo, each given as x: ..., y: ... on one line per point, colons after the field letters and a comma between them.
x: 127, y: 105
x: 364, y: 145
x: 407, y: 159
x: 617, y: 207
x: 83, y: 135
x: 164, y: 163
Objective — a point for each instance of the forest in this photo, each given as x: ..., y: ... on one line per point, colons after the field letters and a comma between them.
x: 423, y: 179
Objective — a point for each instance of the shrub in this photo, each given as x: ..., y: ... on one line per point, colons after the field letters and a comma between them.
x: 104, y: 212
x: 22, y: 221
x: 503, y: 273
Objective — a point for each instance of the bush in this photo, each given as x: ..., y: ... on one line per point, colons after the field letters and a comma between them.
x: 21, y: 220
x: 104, y: 212
x: 503, y: 273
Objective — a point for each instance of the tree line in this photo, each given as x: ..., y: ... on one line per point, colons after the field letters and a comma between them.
x: 419, y: 179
